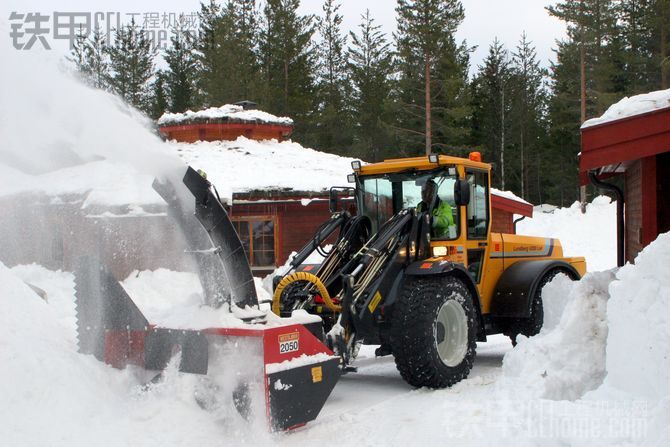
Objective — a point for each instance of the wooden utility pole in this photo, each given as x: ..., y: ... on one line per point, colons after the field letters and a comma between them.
x: 582, y: 67
x: 502, y: 135
x: 429, y: 139
x: 664, y: 44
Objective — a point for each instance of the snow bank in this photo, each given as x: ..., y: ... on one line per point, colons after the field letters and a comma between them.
x: 247, y: 165
x: 592, y: 235
x: 639, y: 321
x: 630, y: 106
x: 58, y: 397
x: 567, y: 358
x: 227, y: 112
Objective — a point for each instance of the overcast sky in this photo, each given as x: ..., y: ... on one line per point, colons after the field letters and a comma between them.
x: 484, y: 19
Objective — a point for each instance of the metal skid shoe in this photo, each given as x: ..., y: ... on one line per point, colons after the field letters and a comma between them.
x: 283, y: 371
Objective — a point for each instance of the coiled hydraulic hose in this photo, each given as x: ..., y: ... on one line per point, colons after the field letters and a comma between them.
x: 303, y: 276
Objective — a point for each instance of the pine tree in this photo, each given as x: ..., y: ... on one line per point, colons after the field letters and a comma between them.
x: 492, y: 106
x: 131, y: 66
x: 229, y: 66
x: 288, y: 64
x: 371, y: 66
x: 332, y: 90
x: 564, y: 118
x: 528, y: 111
x: 425, y: 39
x: 159, y: 103
x: 247, y: 50
x: 90, y: 58
x: 592, y: 25
x: 180, y: 77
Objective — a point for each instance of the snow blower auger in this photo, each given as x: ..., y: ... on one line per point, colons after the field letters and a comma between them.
x: 262, y: 365
x: 432, y: 279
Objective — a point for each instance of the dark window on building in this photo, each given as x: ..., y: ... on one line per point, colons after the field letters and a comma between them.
x: 258, y: 238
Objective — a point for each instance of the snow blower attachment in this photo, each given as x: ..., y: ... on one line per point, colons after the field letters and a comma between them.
x: 276, y: 367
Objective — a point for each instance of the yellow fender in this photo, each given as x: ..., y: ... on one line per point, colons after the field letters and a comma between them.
x: 303, y: 276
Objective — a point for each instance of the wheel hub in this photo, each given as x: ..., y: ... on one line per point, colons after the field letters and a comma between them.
x: 451, y: 333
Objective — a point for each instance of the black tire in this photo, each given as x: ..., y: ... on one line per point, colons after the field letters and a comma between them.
x: 415, y: 331
x: 533, y: 325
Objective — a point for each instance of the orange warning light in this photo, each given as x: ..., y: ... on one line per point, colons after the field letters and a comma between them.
x: 475, y: 156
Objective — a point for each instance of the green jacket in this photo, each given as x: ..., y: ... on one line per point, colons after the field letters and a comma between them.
x: 443, y: 217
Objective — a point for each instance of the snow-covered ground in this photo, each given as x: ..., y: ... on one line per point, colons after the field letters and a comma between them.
x: 596, y: 375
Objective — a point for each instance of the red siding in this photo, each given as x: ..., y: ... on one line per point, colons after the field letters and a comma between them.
x: 640, y: 198
x: 502, y: 222
x: 190, y: 133
x: 55, y: 236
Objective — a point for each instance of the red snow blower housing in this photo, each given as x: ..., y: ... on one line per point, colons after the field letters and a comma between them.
x: 280, y: 366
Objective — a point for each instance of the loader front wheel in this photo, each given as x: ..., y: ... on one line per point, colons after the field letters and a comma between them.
x: 433, y: 332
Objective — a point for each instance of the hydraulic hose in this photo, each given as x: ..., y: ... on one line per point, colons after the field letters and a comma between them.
x: 303, y: 276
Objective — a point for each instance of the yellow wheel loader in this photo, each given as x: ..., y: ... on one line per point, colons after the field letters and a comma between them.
x: 418, y: 271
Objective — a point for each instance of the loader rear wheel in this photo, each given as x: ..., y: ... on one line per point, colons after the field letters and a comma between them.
x: 433, y: 332
x: 533, y: 325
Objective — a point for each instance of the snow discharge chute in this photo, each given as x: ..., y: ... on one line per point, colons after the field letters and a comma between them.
x: 264, y: 365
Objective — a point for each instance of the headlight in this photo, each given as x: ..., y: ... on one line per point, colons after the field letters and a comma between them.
x: 439, y: 251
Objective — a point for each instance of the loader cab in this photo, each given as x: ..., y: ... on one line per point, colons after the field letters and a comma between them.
x: 383, y: 189
x: 381, y: 197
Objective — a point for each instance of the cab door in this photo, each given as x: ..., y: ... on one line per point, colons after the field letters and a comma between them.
x: 477, y: 223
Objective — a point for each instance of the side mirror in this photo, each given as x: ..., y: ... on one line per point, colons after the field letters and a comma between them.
x: 333, y: 197
x: 332, y: 201
x: 462, y: 192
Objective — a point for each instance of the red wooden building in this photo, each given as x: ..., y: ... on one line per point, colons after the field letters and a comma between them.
x: 225, y: 123
x: 636, y: 148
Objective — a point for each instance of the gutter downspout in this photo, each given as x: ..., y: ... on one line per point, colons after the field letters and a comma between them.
x: 620, y: 225
x: 518, y: 220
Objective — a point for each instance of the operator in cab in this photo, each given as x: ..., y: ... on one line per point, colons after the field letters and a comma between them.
x: 443, y: 217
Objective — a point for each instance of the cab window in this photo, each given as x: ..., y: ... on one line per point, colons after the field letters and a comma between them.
x: 478, y: 208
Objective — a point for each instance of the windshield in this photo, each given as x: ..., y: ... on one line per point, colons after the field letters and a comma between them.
x: 383, y: 196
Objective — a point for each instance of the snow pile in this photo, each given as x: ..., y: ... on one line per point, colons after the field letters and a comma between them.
x: 592, y: 235
x: 567, y: 358
x: 56, y: 396
x: 639, y: 321
x: 247, y: 165
x: 631, y: 106
x: 226, y: 113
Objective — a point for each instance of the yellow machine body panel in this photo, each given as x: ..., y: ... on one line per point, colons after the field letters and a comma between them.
x: 502, y: 251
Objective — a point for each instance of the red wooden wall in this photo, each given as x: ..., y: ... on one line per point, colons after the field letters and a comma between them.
x: 190, y: 133
x: 641, y: 205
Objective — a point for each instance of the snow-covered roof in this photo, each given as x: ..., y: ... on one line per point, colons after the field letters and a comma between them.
x: 631, y: 106
x: 508, y: 195
x: 227, y: 112
x: 99, y: 187
x: 247, y: 165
